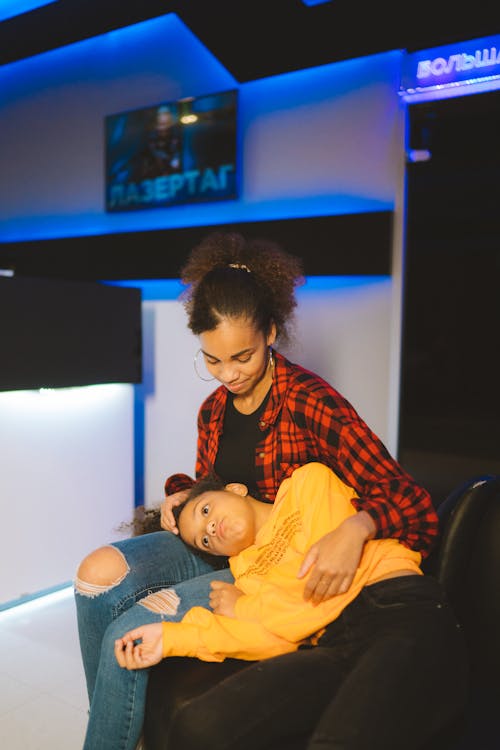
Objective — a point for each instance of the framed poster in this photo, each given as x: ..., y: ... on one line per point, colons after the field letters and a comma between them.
x: 172, y: 153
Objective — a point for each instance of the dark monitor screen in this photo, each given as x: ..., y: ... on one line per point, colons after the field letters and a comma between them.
x: 172, y: 153
x: 66, y: 333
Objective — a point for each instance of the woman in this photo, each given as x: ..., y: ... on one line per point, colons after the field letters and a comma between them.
x: 267, y: 418
x: 392, y: 628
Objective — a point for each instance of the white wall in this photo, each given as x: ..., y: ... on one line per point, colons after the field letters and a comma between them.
x: 343, y: 335
x: 66, y: 481
x: 172, y: 396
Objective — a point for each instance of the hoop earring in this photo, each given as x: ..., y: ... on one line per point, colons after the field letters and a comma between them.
x: 271, y: 358
x: 195, y: 363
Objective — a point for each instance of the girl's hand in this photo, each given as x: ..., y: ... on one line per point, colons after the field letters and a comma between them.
x: 167, y: 520
x: 132, y: 655
x: 223, y: 598
x: 334, y: 559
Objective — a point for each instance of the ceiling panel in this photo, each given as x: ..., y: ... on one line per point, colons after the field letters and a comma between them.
x: 259, y: 38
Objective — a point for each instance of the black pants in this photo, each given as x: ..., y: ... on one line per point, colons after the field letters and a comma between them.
x: 388, y: 673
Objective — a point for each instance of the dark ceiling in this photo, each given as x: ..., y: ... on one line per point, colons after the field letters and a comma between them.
x: 260, y: 38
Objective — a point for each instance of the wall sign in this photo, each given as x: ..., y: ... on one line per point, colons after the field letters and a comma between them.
x: 441, y: 70
x: 172, y: 153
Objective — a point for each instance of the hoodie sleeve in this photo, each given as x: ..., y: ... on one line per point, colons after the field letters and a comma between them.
x: 210, y: 637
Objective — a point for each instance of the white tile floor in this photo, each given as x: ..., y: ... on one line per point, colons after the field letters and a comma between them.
x: 43, y: 701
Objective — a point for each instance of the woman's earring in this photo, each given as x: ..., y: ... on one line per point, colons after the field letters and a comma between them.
x: 197, y: 370
x: 271, y: 358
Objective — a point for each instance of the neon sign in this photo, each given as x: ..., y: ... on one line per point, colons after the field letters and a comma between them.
x: 473, y: 62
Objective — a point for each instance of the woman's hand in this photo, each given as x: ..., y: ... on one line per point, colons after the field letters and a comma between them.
x: 223, y: 598
x: 334, y: 559
x: 130, y: 655
x: 167, y: 519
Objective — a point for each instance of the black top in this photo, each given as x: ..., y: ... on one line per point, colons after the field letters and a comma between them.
x: 235, y: 460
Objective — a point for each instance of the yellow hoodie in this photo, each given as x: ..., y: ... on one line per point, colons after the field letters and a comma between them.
x: 272, y: 617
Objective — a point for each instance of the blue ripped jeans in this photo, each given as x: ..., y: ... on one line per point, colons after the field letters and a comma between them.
x: 117, y: 697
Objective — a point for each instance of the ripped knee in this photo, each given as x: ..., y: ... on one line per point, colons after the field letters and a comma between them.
x: 100, y: 571
x: 163, y: 602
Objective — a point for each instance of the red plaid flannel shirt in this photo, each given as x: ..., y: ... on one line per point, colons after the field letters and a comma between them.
x: 307, y: 420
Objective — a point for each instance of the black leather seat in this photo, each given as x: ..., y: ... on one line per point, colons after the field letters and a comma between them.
x: 467, y: 562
